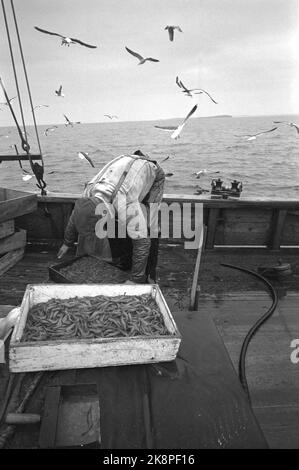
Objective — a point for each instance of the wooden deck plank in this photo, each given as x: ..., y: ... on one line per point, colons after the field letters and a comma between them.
x: 280, y: 425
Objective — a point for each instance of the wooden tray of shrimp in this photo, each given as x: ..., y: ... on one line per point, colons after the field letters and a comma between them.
x: 73, y: 326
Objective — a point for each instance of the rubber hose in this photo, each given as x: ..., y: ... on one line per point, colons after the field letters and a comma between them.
x: 255, y: 327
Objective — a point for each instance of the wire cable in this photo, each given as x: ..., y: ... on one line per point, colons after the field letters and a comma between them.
x: 255, y: 327
x: 15, y: 77
x: 26, y: 78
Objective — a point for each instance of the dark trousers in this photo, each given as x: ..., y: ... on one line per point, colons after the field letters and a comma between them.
x: 122, y: 252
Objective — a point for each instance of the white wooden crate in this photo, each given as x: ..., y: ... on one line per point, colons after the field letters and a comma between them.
x: 87, y: 353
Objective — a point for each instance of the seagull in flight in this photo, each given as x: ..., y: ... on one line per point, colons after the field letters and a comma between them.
x: 59, y: 92
x: 192, y: 91
x: 50, y: 129
x: 254, y: 136
x: 203, y: 172
x: 292, y: 124
x: 164, y: 159
x: 142, y: 60
x: 66, y: 41
x: 110, y: 116
x: 26, y: 176
x: 83, y: 155
x: 70, y: 123
x: 171, y: 31
x: 6, y: 102
x: 41, y: 106
x: 177, y: 130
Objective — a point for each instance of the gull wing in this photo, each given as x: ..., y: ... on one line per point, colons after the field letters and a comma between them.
x: 183, y: 86
x: 190, y: 114
x: 177, y: 81
x: 203, y: 91
x: 84, y: 155
x: 152, y: 60
x: 280, y: 122
x: 296, y: 127
x: 108, y: 116
x: 83, y: 43
x: 48, y: 32
x: 265, y: 132
x: 67, y: 119
x: 166, y: 128
x: 135, y: 54
x: 179, y: 29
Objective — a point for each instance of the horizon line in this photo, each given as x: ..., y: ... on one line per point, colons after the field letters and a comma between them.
x: 164, y: 119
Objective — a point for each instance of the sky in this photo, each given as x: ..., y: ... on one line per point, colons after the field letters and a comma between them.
x: 243, y: 52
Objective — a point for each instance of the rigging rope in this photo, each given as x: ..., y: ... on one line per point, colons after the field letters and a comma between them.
x: 17, y: 84
x: 37, y: 169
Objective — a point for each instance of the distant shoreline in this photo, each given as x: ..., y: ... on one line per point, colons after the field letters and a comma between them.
x: 217, y: 116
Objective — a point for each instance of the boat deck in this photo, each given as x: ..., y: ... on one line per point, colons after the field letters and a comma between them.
x: 234, y: 301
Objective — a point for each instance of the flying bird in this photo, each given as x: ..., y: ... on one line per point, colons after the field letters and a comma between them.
x: 142, y: 60
x: 254, y: 136
x: 192, y: 91
x: 5, y: 103
x: 66, y: 41
x: 110, y: 116
x: 177, y: 130
x: 204, y: 172
x: 70, y: 123
x: 171, y: 31
x: 50, y: 129
x: 41, y: 106
x: 292, y: 124
x: 83, y: 155
x: 26, y: 176
x: 164, y: 159
x: 59, y: 92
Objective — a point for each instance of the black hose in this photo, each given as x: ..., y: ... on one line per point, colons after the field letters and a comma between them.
x: 255, y: 327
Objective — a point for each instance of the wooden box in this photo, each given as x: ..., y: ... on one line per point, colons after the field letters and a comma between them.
x: 7, y: 228
x: 56, y: 275
x: 13, y: 242
x: 8, y: 260
x: 88, y: 353
x: 16, y: 203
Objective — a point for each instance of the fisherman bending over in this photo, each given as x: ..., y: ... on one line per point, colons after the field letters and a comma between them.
x: 126, y: 186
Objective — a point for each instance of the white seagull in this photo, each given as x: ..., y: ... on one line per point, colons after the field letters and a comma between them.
x: 59, y: 92
x: 50, y: 129
x: 254, y: 136
x: 204, y: 172
x: 70, y: 123
x: 171, y: 31
x: 26, y: 176
x: 66, y: 41
x: 177, y: 130
x: 192, y: 91
x: 292, y: 124
x: 5, y: 103
x: 142, y: 60
x: 41, y: 106
x: 110, y: 116
x: 83, y: 155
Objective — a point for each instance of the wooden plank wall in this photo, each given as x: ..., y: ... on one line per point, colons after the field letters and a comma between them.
x: 229, y: 222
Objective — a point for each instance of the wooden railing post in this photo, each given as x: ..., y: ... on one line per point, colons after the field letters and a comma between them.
x: 277, y: 228
x: 212, y: 224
